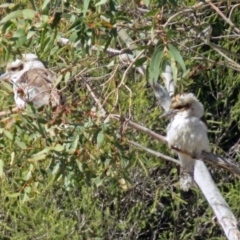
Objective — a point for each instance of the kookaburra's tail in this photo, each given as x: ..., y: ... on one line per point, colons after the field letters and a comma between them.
x: 187, y: 171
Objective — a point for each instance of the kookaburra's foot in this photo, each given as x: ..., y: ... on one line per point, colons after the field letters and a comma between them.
x: 186, y: 181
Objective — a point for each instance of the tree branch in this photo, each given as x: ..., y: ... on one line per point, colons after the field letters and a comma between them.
x: 155, y: 153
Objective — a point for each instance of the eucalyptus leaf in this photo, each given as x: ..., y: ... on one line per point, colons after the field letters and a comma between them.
x: 25, y: 13
x: 58, y: 148
x: 154, y: 65
x: 177, y: 56
x: 1, y: 168
x: 6, y: 5
x: 85, y: 6
x: 20, y: 144
x: 100, y: 138
x: 45, y: 3
x: 29, y: 13
x: 11, y: 16
x: 101, y: 2
x: 8, y: 134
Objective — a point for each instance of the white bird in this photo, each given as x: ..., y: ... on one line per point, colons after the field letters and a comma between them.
x: 32, y: 82
x: 187, y: 132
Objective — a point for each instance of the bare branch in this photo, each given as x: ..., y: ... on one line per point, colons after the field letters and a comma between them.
x: 141, y: 128
x: 184, y: 12
x: 157, y: 154
x: 219, y: 12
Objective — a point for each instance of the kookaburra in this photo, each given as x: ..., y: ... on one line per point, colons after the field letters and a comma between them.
x: 32, y: 82
x: 187, y: 132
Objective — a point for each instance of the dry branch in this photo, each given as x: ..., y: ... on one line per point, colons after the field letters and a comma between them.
x: 219, y: 12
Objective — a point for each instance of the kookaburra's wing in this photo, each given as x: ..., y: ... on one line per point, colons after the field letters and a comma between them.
x: 37, y: 85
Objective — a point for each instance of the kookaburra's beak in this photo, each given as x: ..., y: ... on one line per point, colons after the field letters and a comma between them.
x: 169, y: 113
x: 4, y: 76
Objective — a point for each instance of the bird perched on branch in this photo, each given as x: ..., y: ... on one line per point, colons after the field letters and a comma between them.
x: 32, y: 82
x: 187, y: 134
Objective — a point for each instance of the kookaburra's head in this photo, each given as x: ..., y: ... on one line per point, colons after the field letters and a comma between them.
x: 185, y: 105
x: 16, y: 69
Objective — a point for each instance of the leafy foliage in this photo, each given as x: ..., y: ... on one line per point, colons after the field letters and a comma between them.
x: 68, y: 173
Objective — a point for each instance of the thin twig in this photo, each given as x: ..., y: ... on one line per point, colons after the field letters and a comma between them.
x: 219, y: 12
x: 157, y: 154
x: 185, y: 11
x: 100, y: 106
x: 141, y: 128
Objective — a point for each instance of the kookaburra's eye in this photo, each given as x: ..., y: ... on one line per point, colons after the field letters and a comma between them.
x: 178, y: 107
x: 13, y: 69
x: 181, y: 107
x: 18, y: 68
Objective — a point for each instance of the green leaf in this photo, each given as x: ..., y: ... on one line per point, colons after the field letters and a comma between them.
x: 100, y: 3
x: 140, y: 61
x: 11, y: 16
x: 100, y: 138
x: 8, y: 134
x: 7, y: 5
x: 13, y: 195
x: 80, y: 166
x: 174, y: 53
x: 37, y: 157
x: 98, y: 181
x: 74, y: 143
x: 67, y: 77
x: 58, y: 148
x: 154, y: 66
x: 85, y: 6
x: 21, y: 41
x: 30, y: 34
x: 147, y: 2
x: 21, y: 144
x: 151, y: 13
x: 73, y: 37
x: 19, y: 33
x: 44, y: 152
x: 174, y: 70
x: 7, y: 86
x: 1, y: 168
x: 26, y: 14
x: 46, y: 2
x: 29, y: 13
x: 27, y: 174
x: 59, y: 79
